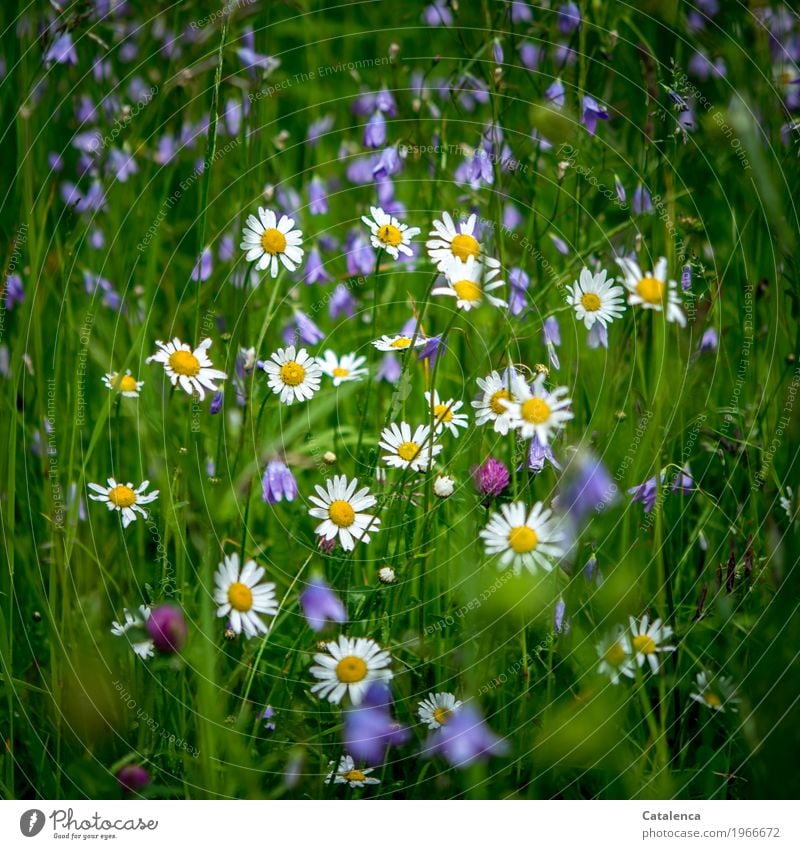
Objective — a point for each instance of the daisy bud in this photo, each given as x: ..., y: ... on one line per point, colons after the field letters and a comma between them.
x: 386, y: 575
x: 321, y: 605
x: 133, y: 777
x: 167, y: 628
x: 491, y: 478
x: 329, y: 458
x: 443, y: 486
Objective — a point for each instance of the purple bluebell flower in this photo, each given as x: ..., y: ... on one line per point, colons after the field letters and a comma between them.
x: 555, y: 94
x: 642, y: 203
x: 587, y: 488
x: 551, y: 336
x: 569, y: 18
x: 302, y: 328
x: 466, y: 738
x: 216, y: 403
x: 360, y: 256
x: 315, y: 268
x: 318, y: 128
x: 61, y: 51
x: 622, y: 195
x: 512, y: 217
x: 480, y: 170
x: 359, y: 170
x: 369, y: 729
x: 388, y: 163
x: 342, y: 302
x: 471, y: 92
x: 203, y: 267
x: 433, y: 348
x: 559, y: 625
x: 559, y: 244
x: 647, y: 492
x: 491, y: 478
x: 497, y: 51
x: 321, y: 606
x: 390, y: 369
x: 438, y: 14
x: 167, y: 628
x: 518, y: 287
x: 166, y: 149
x: 710, y: 340
x: 121, y: 164
x: 592, y: 113
x: 598, y: 336
x: 15, y: 291
x: 387, y: 202
x: 520, y: 12
x: 686, y: 278
x: 317, y: 198
x: 384, y: 101
x: 530, y: 55
x: 590, y: 569
x: 133, y: 777
x: 278, y: 483
x: 703, y: 68
x: 683, y: 483
x: 233, y: 116
x: 375, y: 131
x: 538, y: 453
x: 89, y: 141
x: 268, y: 714
x: 55, y: 161
x: 226, y: 248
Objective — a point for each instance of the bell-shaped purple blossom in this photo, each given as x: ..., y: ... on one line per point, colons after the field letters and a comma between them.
x: 598, y: 336
x: 466, y: 738
x: 518, y: 287
x: 315, y: 268
x: 342, y: 302
x: 318, y: 128
x: 491, y: 478
x: 647, y: 492
x: 520, y: 12
x: 204, y: 266
x: 133, y: 777
x: 167, y: 628
x: 301, y: 329
x: 317, y: 198
x: 538, y: 453
x: 14, y: 291
x: 702, y: 67
x: 375, y: 131
x: 555, y: 94
x: 592, y: 113
x: 438, y: 14
x: 278, y: 483
x: 369, y: 729
x: 384, y: 102
x: 684, y: 482
x: 569, y: 18
x: 642, y: 203
x: 121, y: 165
x: 560, y: 626
x: 360, y: 256
x: 551, y: 336
x: 321, y: 606
x: 710, y: 340
x: 622, y: 195
x: 216, y: 403
x: 388, y: 164
x: 530, y: 55
x: 686, y: 278
x: 587, y: 488
x: 433, y: 348
x: 61, y: 51
x: 390, y: 369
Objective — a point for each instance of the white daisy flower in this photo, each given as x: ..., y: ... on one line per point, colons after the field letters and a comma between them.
x: 715, y: 694
x: 342, y: 369
x: 388, y: 233
x: 523, y: 537
x: 448, y: 241
x: 398, y: 343
x: 408, y: 450
x: 269, y: 240
x: 193, y: 369
x: 348, y: 774
x: 340, y: 506
x: 646, y: 641
x: 446, y: 413
x: 240, y: 596
x: 349, y: 666
x: 444, y: 486
x: 595, y: 298
x: 438, y: 709
x: 144, y: 648
x: 495, y: 390
x: 615, y: 656
x: 294, y: 375
x: 652, y: 290
x: 470, y: 282
x: 126, y: 384
x: 539, y: 412
x: 124, y: 498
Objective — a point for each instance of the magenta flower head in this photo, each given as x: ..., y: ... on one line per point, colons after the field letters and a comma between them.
x: 491, y: 478
x: 133, y: 777
x: 321, y: 605
x: 278, y: 483
x: 167, y: 628
x: 466, y: 738
x: 369, y: 729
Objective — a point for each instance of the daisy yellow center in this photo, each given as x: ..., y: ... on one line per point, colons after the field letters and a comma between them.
x: 390, y: 235
x: 650, y: 290
x: 341, y: 372
x: 240, y: 596
x: 354, y: 775
x: 590, y: 302
x: 496, y: 401
x: 400, y: 342
x: 713, y: 700
x: 464, y: 246
x: 126, y: 383
x: 443, y: 413
x: 408, y: 451
x: 342, y: 514
x: 185, y: 363
x: 644, y: 644
x: 442, y: 715
x: 351, y: 669
x: 615, y: 654
x: 522, y: 539
x: 122, y: 496
x: 536, y: 411
x: 273, y: 241
x: 468, y: 291
x: 292, y: 373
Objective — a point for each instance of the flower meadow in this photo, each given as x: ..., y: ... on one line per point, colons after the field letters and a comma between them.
x: 399, y: 400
